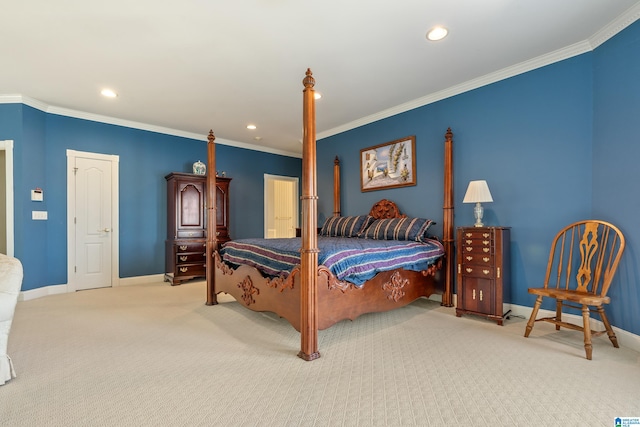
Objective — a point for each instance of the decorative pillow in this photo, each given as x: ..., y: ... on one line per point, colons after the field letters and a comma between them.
x: 345, y: 226
x: 398, y: 229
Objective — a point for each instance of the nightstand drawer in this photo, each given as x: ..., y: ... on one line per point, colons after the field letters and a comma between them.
x: 190, y: 270
x: 477, y: 250
x: 190, y: 234
x: 477, y: 234
x: 477, y: 271
x: 478, y: 258
x: 186, y: 247
x: 190, y: 258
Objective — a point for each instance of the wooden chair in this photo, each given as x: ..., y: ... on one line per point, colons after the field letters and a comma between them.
x: 583, y: 260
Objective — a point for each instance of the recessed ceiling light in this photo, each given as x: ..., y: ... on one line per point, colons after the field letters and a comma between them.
x: 437, y: 33
x: 251, y: 127
x: 108, y: 93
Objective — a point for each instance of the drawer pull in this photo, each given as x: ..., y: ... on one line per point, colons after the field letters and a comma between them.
x: 192, y: 233
x: 486, y: 235
x: 498, y: 272
x: 459, y: 268
x: 183, y: 258
x: 486, y: 271
x: 474, y: 294
x: 469, y: 242
x: 183, y: 247
x: 469, y: 270
x: 468, y: 234
x: 480, y: 294
x: 184, y: 269
x: 486, y: 249
x: 486, y: 242
x: 217, y: 233
x: 469, y: 257
x: 486, y: 259
x: 468, y: 248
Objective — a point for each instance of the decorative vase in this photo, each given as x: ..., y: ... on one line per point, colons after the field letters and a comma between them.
x: 199, y: 168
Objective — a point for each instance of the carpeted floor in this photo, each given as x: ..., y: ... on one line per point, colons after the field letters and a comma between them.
x: 155, y: 355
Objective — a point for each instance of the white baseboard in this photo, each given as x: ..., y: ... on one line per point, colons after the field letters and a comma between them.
x: 625, y: 338
x: 63, y: 289
x: 42, y: 292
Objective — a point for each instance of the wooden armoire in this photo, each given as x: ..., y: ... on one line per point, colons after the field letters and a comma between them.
x: 185, y: 246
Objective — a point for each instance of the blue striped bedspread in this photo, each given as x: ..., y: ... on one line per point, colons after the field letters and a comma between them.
x: 355, y: 260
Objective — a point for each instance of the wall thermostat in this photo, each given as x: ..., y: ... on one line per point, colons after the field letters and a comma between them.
x: 37, y: 195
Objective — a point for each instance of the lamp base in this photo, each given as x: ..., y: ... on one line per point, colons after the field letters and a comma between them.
x: 478, y: 211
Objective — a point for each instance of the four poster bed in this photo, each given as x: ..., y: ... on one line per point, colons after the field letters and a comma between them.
x: 285, y: 276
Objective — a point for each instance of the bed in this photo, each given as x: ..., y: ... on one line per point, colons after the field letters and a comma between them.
x: 311, y: 295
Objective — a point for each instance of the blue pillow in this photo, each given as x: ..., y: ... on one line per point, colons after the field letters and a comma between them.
x: 345, y: 226
x: 398, y: 229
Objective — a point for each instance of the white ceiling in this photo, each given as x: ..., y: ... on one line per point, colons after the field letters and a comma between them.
x: 191, y: 65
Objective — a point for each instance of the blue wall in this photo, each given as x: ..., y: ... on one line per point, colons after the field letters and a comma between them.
x: 40, y: 160
x: 556, y: 145
x: 616, y: 150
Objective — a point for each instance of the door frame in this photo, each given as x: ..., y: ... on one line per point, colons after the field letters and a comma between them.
x: 71, y: 204
x: 296, y: 198
x: 7, y: 147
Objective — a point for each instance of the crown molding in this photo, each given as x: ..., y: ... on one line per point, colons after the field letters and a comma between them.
x: 505, y: 73
x: 613, y: 28
x: 66, y: 112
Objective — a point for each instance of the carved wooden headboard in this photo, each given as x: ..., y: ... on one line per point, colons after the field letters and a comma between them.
x: 385, y: 209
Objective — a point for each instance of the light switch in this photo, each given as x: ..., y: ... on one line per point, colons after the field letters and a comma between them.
x: 39, y: 215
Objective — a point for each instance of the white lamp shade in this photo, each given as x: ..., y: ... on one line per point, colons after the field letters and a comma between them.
x: 478, y: 192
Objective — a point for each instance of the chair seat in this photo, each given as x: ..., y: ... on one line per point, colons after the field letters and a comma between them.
x: 571, y: 295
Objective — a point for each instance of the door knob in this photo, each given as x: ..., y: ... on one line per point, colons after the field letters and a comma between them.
x: 106, y: 230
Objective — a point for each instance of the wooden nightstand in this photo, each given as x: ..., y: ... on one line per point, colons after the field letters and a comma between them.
x: 483, y: 271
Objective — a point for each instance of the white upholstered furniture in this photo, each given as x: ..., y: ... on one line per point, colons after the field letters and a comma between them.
x: 10, y: 283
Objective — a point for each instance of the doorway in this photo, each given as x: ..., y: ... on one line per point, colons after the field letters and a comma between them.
x: 6, y: 198
x: 92, y: 219
x: 280, y: 206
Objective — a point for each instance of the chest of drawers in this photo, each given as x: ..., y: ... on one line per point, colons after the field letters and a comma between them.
x: 483, y: 271
x: 185, y: 246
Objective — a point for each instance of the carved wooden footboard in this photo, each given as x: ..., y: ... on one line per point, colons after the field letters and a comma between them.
x: 337, y: 300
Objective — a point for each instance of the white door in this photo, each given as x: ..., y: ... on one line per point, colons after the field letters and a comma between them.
x: 6, y: 200
x: 281, y: 206
x: 93, y: 227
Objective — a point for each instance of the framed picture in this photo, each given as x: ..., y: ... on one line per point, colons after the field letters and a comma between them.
x: 388, y: 165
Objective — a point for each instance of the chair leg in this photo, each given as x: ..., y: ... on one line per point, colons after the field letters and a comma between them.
x: 587, y: 331
x: 534, y: 314
x: 607, y: 325
x: 558, y: 313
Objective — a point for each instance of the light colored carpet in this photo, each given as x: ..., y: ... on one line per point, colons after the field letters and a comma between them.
x: 155, y: 355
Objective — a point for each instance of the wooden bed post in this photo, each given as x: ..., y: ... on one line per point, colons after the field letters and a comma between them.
x: 309, y: 250
x: 447, y: 232
x: 212, y: 241
x: 336, y: 187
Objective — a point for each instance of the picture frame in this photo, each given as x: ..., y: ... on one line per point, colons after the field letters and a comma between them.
x: 388, y: 165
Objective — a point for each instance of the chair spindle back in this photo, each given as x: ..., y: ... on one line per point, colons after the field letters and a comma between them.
x: 584, y: 257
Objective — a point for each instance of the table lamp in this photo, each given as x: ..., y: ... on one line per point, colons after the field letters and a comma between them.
x: 478, y: 192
